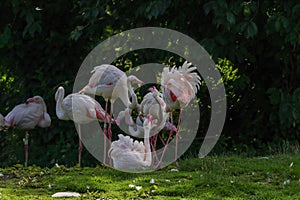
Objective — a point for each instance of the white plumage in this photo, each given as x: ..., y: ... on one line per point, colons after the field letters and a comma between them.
x: 179, y: 85
x: 130, y: 155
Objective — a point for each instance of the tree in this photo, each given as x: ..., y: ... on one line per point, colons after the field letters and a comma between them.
x: 255, y: 44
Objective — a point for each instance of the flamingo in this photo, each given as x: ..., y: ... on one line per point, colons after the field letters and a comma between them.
x: 154, y: 105
x: 111, y: 83
x: 179, y: 87
x: 81, y: 109
x: 129, y: 155
x: 27, y: 116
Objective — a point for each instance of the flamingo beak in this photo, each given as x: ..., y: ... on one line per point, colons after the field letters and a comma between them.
x: 138, y: 81
x: 30, y: 100
x: 152, y: 89
x: 82, y: 90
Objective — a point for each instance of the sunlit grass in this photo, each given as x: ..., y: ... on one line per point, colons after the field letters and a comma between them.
x: 225, y: 177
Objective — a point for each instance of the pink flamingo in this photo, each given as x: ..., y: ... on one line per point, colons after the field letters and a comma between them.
x: 154, y: 105
x: 111, y: 83
x: 80, y: 108
x: 129, y: 155
x: 27, y: 116
x: 179, y: 87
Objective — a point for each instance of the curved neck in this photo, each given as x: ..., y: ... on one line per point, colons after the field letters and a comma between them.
x: 160, y: 103
x: 148, y: 156
x: 133, y: 103
x: 59, y: 111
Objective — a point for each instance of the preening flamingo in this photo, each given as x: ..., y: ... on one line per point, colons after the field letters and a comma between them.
x: 27, y: 116
x: 129, y: 155
x: 152, y: 104
x: 111, y: 83
x: 179, y: 87
x: 80, y: 108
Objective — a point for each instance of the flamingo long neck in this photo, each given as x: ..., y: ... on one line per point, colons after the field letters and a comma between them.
x: 59, y: 110
x: 132, y: 94
x: 148, y: 157
x: 162, y: 105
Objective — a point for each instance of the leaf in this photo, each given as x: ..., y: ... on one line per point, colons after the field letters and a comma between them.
x: 230, y: 17
x: 277, y: 25
x: 296, y: 96
x: 29, y: 18
x: 76, y: 33
x: 296, y: 10
x: 209, y: 44
x: 5, y: 37
x: 251, y: 29
x: 285, y: 114
x: 246, y: 11
x: 274, y: 96
x: 285, y: 23
x: 208, y: 7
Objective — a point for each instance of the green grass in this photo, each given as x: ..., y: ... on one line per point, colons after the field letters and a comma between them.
x: 224, y: 177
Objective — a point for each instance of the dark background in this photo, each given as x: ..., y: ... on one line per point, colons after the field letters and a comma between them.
x: 255, y: 45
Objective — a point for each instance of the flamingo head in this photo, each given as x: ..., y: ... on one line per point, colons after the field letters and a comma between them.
x: 125, y: 114
x: 134, y: 79
x: 148, y: 121
x: 59, y: 92
x: 35, y: 99
x: 153, y: 89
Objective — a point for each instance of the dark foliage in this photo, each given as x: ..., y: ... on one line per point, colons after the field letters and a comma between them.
x: 255, y: 45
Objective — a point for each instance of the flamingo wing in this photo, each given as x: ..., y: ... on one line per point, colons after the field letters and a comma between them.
x: 182, y: 84
x: 127, y: 154
x: 82, y: 108
x: 25, y: 116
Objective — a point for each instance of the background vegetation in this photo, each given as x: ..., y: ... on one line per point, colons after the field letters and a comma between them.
x: 255, y: 45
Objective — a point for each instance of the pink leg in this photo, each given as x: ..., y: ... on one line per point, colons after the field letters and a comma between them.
x: 153, y: 141
x: 105, y: 132
x: 80, y: 145
x: 177, y: 134
x: 26, y: 148
x: 165, y: 148
x: 109, y: 129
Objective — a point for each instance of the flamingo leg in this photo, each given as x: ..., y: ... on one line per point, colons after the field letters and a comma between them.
x: 165, y: 148
x: 26, y: 148
x: 177, y: 135
x: 153, y: 141
x: 109, y: 129
x: 105, y: 132
x: 80, y: 145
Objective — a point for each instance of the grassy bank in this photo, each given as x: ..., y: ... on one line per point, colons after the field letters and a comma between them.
x: 225, y: 177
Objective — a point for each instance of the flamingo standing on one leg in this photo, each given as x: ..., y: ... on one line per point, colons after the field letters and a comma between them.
x: 179, y: 87
x: 80, y: 108
x: 27, y: 116
x: 129, y: 155
x: 111, y: 83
